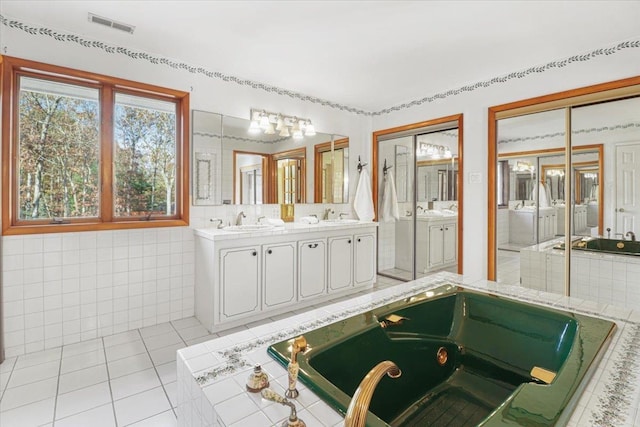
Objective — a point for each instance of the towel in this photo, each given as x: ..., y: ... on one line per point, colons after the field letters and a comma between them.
x: 275, y: 221
x: 389, y: 209
x: 363, y: 202
x: 544, y: 198
x: 309, y: 220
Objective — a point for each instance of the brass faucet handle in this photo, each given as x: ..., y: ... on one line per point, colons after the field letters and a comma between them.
x: 300, y: 343
x: 271, y: 395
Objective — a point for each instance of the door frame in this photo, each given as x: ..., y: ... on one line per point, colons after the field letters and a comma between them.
x: 417, y: 126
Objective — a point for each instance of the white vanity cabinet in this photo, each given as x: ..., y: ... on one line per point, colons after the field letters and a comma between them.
x: 443, y: 242
x: 240, y: 279
x: 364, y: 259
x: 340, y: 262
x: 351, y: 260
x: 312, y: 268
x: 243, y: 277
x: 279, y: 274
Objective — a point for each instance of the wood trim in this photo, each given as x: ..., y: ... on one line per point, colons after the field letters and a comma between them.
x: 570, y: 98
x: 318, y: 149
x: 296, y: 153
x: 580, y: 96
x: 414, y: 126
x: 492, y: 202
x: 107, y: 187
x: 265, y: 173
x: 12, y: 68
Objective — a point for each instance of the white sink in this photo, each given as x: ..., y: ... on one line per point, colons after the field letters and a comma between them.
x: 340, y: 221
x: 249, y: 227
x: 431, y: 213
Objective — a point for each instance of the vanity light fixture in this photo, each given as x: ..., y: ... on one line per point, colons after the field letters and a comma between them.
x: 435, y: 151
x: 288, y: 126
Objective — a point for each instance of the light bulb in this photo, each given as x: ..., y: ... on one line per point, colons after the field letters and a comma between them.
x: 310, y: 130
x: 279, y: 123
x: 269, y: 130
x: 254, y: 127
x: 264, y: 121
x: 284, y: 132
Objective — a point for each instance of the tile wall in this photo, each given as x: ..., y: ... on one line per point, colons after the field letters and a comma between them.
x: 603, y: 278
x: 69, y: 287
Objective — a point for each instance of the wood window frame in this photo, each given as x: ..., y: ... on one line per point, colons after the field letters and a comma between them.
x: 10, y: 69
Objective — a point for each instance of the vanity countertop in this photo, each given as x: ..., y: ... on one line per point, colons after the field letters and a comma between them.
x: 288, y: 228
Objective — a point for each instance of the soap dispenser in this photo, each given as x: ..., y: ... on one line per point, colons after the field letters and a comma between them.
x: 258, y: 380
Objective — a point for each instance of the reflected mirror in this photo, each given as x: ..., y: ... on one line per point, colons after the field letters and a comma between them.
x: 232, y: 166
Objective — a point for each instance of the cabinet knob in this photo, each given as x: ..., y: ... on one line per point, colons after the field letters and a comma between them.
x: 269, y: 251
x: 313, y: 245
x: 349, y: 241
x: 254, y: 253
x: 446, y: 228
x: 358, y: 239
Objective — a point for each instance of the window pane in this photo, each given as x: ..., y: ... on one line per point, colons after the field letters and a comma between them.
x: 59, y: 129
x: 145, y: 156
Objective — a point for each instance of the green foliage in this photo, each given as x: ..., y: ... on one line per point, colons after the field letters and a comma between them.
x: 59, y: 158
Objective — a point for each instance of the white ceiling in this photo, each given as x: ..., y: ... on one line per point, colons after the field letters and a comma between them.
x: 365, y: 54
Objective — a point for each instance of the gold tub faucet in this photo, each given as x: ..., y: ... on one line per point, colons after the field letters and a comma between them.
x: 298, y: 345
x: 359, y: 406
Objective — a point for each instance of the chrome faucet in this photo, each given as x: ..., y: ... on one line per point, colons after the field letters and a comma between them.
x: 453, y: 206
x: 359, y: 406
x: 632, y: 234
x: 327, y: 212
x: 343, y: 213
x: 239, y: 218
x: 260, y: 218
x: 218, y: 220
x: 418, y: 209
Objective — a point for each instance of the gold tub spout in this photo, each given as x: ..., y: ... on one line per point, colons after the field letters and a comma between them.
x: 359, y: 406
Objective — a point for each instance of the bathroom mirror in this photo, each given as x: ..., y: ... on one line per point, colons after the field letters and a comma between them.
x: 603, y: 117
x: 224, y: 171
x: 206, y: 149
x: 437, y: 180
x: 331, y: 176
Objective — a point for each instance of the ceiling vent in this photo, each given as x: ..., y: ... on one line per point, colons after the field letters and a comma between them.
x: 111, y: 23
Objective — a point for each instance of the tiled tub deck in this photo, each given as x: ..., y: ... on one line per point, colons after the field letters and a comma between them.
x: 212, y: 375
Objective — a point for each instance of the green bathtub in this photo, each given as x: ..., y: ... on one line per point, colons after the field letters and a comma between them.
x: 492, y: 345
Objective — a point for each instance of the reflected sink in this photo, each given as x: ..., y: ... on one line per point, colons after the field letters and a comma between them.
x: 339, y: 221
x: 249, y: 227
x: 431, y: 213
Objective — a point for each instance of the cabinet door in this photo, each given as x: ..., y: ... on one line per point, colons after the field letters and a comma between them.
x: 312, y: 268
x: 364, y: 259
x: 450, y: 243
x: 436, y: 257
x: 240, y: 282
x: 340, y: 262
x: 279, y: 264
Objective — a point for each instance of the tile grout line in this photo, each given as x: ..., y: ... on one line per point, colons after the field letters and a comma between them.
x: 6, y: 386
x: 55, y: 401
x: 155, y: 369
x: 113, y: 403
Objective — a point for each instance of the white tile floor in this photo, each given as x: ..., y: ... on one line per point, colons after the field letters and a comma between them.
x: 127, y: 379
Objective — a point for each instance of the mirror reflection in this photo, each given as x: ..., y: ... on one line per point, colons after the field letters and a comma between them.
x: 233, y: 166
x: 531, y: 176
x: 417, y: 174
